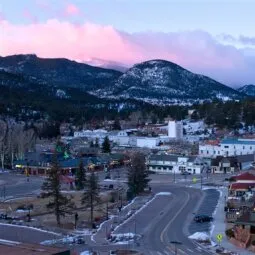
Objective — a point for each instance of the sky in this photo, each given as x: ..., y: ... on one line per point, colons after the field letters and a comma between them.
x: 212, y: 37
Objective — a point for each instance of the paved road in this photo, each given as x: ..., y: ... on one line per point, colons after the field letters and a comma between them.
x: 207, y: 207
x: 17, y: 185
x: 23, y: 234
x: 167, y: 219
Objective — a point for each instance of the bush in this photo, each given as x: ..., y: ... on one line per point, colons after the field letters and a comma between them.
x: 230, y: 233
x: 253, y: 242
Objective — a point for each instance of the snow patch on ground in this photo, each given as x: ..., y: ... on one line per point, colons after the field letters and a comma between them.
x: 3, y: 241
x: 22, y: 211
x: 85, y: 253
x: 123, y: 238
x: 66, y: 240
x: 200, y: 236
x: 163, y: 194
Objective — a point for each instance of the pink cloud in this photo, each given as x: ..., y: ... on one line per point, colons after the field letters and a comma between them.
x: 2, y: 17
x: 72, y: 10
x: 28, y: 15
x: 197, y: 50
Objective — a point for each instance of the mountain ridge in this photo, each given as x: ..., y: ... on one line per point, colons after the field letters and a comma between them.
x: 163, y: 81
x: 155, y: 81
x: 248, y: 90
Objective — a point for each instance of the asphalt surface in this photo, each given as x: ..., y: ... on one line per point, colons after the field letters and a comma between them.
x: 207, y: 207
x: 23, y: 234
x: 166, y: 219
x: 13, y: 185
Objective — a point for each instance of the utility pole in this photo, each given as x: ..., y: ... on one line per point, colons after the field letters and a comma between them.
x: 175, y: 245
x: 174, y: 176
x: 201, y: 181
x: 4, y: 192
x: 107, y: 214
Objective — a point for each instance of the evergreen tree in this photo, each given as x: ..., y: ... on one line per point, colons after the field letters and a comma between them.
x: 91, y: 195
x: 97, y: 143
x: 91, y: 144
x: 106, y: 146
x: 116, y: 125
x: 137, y: 174
x: 52, y: 186
x: 80, y: 177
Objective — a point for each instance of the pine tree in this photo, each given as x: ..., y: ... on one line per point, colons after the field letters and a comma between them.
x: 91, y: 195
x: 52, y: 186
x: 106, y: 146
x: 80, y: 176
x: 97, y: 143
x: 91, y: 144
x: 137, y: 174
x: 116, y: 125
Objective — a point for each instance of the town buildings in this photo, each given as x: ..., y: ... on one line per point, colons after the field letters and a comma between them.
x: 227, y: 147
x: 176, y: 164
x: 175, y: 130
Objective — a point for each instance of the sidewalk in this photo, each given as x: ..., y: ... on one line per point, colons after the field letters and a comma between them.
x: 219, y: 226
x: 115, y: 220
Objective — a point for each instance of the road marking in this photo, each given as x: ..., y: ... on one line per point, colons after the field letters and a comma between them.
x: 183, y: 252
x: 189, y: 250
x: 171, y: 221
x: 198, y: 249
x: 159, y: 253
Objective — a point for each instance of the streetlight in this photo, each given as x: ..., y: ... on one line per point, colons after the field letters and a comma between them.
x: 175, y: 245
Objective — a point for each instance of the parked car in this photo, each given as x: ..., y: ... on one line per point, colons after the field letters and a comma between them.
x: 203, y: 218
x: 186, y: 173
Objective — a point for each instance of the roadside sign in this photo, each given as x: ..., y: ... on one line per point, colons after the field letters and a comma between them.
x: 194, y: 180
x: 219, y: 237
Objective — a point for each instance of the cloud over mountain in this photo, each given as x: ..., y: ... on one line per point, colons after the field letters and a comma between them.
x: 196, y: 50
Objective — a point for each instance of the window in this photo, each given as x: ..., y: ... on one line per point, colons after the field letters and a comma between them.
x: 250, y: 147
x: 207, y: 152
x: 226, y: 146
x: 243, y: 147
x: 214, y: 152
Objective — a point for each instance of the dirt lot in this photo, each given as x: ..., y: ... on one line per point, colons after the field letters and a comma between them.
x: 41, y: 217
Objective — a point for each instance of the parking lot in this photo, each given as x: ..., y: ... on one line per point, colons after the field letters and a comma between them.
x: 207, y: 207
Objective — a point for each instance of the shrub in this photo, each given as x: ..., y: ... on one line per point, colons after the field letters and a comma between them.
x: 230, y: 233
x: 253, y: 242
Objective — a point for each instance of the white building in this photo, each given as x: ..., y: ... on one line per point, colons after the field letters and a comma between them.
x: 119, y: 137
x: 228, y: 147
x: 175, y: 130
x: 97, y: 133
x: 176, y: 164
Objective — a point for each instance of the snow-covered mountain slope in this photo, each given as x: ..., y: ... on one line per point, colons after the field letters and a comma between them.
x: 161, y: 81
x: 248, y: 90
x: 60, y: 72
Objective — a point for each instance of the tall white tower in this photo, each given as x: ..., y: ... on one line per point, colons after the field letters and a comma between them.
x: 175, y: 130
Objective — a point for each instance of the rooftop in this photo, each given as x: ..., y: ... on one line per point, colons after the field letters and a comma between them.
x: 245, y: 177
x: 241, y: 186
x: 238, y: 141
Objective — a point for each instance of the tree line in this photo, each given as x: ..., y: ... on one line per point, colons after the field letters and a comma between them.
x: 15, y: 140
x: 61, y: 204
